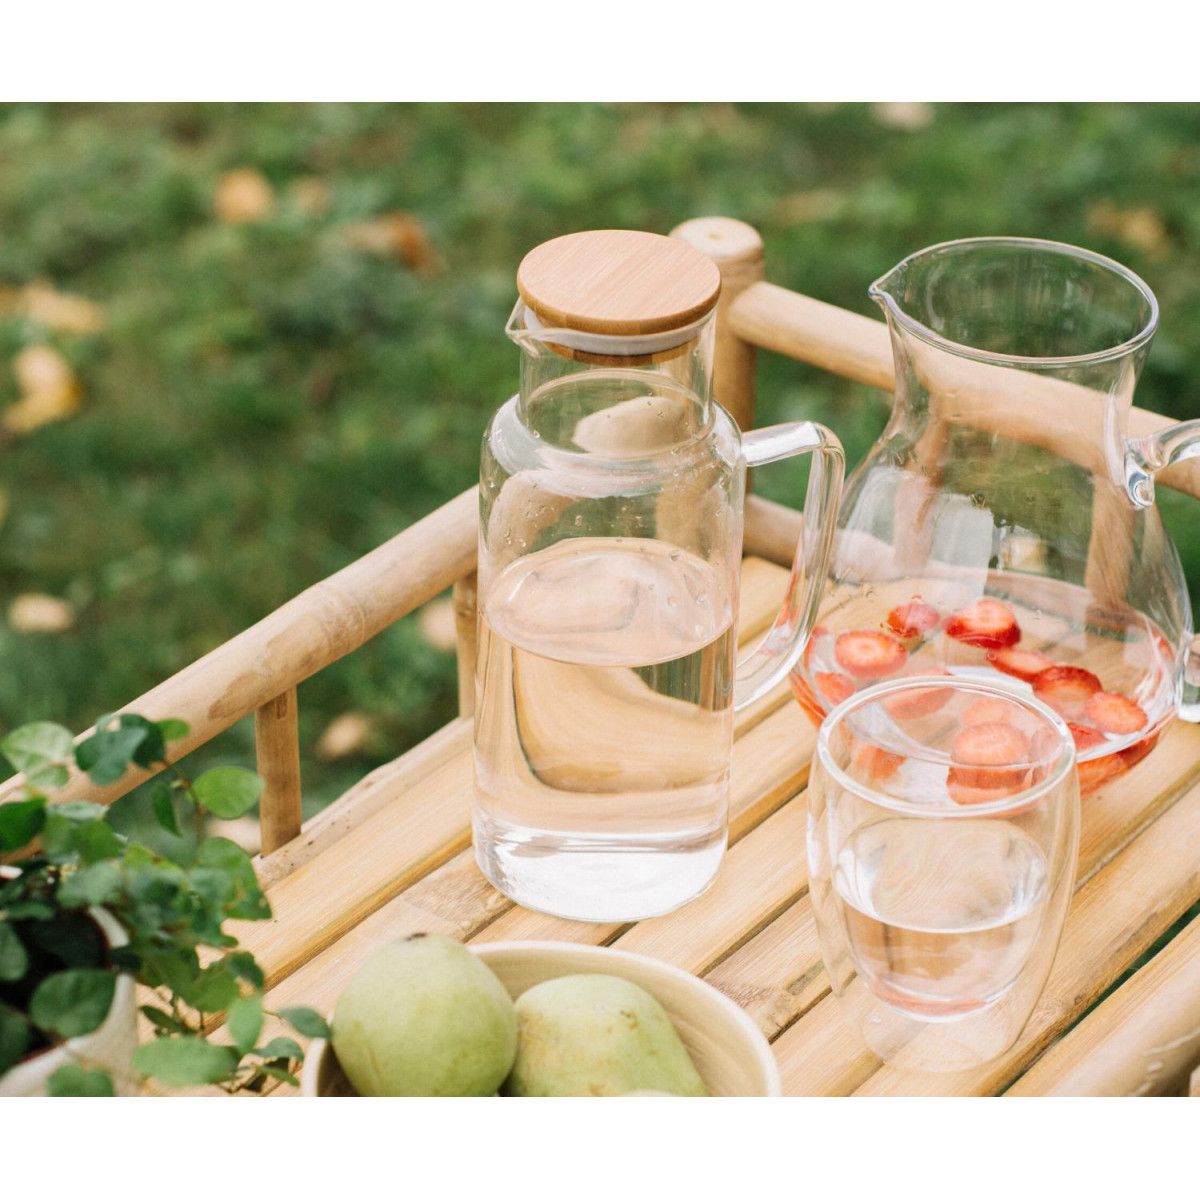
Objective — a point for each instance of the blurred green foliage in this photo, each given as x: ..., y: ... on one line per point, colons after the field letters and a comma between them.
x: 269, y: 400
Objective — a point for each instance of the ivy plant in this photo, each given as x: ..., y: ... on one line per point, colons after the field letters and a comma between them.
x: 57, y: 972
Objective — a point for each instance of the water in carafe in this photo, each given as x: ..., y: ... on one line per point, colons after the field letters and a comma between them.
x: 603, y: 736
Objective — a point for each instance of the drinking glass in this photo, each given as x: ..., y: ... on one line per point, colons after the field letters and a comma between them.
x: 942, y: 837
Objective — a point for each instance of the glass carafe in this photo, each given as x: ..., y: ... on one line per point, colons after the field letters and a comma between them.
x: 611, y: 494
x: 1004, y: 524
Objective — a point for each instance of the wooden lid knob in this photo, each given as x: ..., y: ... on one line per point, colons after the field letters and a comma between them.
x: 618, y: 281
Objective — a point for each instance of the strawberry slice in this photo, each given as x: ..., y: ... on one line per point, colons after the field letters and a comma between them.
x: 805, y: 698
x: 997, y: 744
x: 876, y: 763
x: 866, y: 654
x: 1085, y: 737
x: 1044, y: 750
x: 986, y: 623
x: 1021, y: 664
x: 834, y: 686
x: 913, y: 620
x: 1115, y: 713
x: 918, y: 701
x: 995, y: 755
x: 967, y: 793
x: 987, y: 710
x: 1097, y: 772
x: 1066, y: 689
x: 818, y: 632
x: 1132, y: 755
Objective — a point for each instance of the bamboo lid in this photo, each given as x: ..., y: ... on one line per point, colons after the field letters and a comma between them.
x: 618, y: 281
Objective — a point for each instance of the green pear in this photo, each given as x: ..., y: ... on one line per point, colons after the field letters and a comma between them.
x: 424, y: 1017
x: 597, y: 1035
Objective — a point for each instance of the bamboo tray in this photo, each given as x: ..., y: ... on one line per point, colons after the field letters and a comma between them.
x: 392, y: 855
x: 407, y: 866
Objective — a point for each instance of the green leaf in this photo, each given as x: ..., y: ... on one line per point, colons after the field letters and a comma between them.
x: 58, y: 836
x: 50, y: 775
x: 245, y: 1021
x: 174, y: 970
x: 244, y: 967
x: 73, y: 1080
x: 250, y: 904
x: 278, y: 1073
x: 35, y: 745
x: 306, y: 1021
x: 281, y: 1047
x: 173, y: 729
x: 181, y: 1061
x: 96, y: 884
x: 20, y: 822
x: 14, y: 961
x: 106, y: 755
x: 15, y: 1036
x: 70, y: 1003
x: 151, y: 749
x: 164, y: 808
x: 97, y: 840
x: 227, y: 792
x: 156, y: 891
x: 215, y: 886
x: 91, y: 840
x: 162, y: 1020
x: 79, y: 811
x: 29, y: 910
x: 214, y: 991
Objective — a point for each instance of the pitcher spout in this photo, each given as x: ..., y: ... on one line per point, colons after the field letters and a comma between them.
x: 888, y: 289
x: 1021, y: 302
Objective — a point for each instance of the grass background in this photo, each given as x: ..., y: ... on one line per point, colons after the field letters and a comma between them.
x: 270, y: 398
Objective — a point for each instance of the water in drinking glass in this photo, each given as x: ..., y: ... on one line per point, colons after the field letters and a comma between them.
x: 943, y: 825
x: 604, y: 726
x: 928, y: 936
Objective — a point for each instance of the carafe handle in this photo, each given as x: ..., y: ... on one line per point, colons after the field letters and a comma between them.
x: 780, y: 650
x: 1144, y: 458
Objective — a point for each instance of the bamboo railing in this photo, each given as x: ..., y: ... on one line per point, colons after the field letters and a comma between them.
x: 259, y: 670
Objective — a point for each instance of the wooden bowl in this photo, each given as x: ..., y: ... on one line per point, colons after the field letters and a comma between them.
x: 729, y: 1050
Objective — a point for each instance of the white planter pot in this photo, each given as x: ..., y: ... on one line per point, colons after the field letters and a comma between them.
x: 111, y: 1046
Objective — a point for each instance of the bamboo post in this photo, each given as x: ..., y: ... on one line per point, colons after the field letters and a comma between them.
x: 737, y: 250
x: 466, y: 632
x: 277, y: 741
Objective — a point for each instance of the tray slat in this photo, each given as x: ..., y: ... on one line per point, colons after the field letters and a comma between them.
x: 1144, y: 1038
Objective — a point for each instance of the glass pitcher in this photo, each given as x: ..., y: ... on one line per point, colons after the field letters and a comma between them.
x: 610, y: 535
x: 1004, y: 524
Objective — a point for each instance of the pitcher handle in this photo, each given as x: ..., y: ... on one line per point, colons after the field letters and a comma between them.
x: 1144, y: 458
x: 780, y: 650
